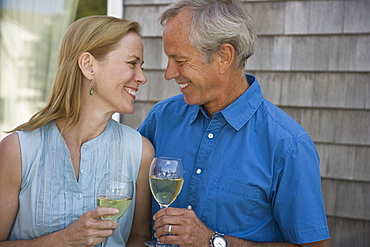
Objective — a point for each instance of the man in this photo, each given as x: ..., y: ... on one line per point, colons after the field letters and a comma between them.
x: 251, y: 172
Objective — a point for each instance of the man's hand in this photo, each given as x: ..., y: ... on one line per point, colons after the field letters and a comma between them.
x: 186, y: 228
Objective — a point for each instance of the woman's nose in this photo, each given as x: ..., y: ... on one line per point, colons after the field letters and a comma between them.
x: 140, y: 77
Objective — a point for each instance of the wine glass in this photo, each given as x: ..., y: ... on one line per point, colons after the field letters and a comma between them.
x: 166, y: 177
x: 115, y: 191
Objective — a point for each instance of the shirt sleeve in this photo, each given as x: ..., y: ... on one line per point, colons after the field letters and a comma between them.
x: 298, y: 204
x: 146, y: 128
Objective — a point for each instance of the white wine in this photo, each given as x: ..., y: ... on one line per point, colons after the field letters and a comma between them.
x: 165, y: 191
x: 112, y: 202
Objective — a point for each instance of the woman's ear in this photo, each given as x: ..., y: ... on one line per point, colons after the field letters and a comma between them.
x: 226, y: 56
x: 85, y: 62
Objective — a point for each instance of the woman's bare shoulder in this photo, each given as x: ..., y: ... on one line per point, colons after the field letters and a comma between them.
x: 10, y: 157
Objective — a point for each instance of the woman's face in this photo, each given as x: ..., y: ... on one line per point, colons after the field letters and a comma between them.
x: 118, y: 76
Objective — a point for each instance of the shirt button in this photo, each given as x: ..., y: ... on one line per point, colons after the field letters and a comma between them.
x: 83, y: 171
x: 79, y: 196
x: 210, y: 135
x: 190, y: 207
x: 199, y: 171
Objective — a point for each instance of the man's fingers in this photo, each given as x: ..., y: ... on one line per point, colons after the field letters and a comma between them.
x: 170, y: 211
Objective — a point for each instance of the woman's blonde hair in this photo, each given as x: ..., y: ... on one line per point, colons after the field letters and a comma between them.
x: 97, y: 35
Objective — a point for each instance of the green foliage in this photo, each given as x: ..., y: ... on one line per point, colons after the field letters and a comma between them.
x: 91, y: 7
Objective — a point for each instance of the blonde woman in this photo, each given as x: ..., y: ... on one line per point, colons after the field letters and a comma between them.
x: 50, y: 167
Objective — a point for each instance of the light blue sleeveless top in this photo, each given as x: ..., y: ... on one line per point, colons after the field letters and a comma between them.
x: 51, y: 198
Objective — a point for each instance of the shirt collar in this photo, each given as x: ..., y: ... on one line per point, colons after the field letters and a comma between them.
x: 241, y: 110
x: 197, y: 110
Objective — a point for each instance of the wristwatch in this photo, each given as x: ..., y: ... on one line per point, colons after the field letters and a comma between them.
x: 218, y: 240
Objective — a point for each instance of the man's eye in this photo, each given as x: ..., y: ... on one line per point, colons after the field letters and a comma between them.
x: 180, y: 62
x: 133, y: 63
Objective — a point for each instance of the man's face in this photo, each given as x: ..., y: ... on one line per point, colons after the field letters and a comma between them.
x: 198, y: 81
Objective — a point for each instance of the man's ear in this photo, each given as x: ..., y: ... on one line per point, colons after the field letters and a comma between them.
x: 85, y: 62
x: 226, y: 55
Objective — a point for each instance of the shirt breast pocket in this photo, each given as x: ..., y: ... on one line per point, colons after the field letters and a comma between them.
x: 230, y: 205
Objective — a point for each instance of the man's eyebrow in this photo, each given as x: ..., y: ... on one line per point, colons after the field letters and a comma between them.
x: 176, y: 56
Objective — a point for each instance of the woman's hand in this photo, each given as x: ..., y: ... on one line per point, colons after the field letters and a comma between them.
x: 89, y: 230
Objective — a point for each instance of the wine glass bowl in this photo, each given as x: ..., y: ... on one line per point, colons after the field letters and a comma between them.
x: 115, y: 192
x: 166, y: 177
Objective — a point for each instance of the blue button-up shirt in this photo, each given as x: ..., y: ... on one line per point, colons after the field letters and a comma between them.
x: 251, y: 171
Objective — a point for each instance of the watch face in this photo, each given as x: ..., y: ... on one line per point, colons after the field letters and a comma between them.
x: 219, y: 242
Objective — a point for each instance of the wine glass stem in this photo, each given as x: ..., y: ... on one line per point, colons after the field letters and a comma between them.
x: 159, y: 243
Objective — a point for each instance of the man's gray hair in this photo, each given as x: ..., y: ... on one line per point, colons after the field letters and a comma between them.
x: 215, y: 22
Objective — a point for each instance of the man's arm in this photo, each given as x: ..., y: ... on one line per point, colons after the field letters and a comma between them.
x: 188, y: 230
x: 237, y: 242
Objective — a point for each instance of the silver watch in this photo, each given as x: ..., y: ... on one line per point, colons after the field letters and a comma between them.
x: 218, y: 240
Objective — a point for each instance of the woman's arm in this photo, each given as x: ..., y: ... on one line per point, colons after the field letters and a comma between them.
x: 10, y: 182
x: 141, y: 232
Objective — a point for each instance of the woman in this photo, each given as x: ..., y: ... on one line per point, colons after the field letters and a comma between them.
x: 51, y: 166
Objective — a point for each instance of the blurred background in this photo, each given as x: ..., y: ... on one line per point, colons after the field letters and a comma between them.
x: 313, y: 61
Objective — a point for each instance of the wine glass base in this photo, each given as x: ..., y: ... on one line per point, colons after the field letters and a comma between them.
x: 150, y: 243
x: 156, y: 244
